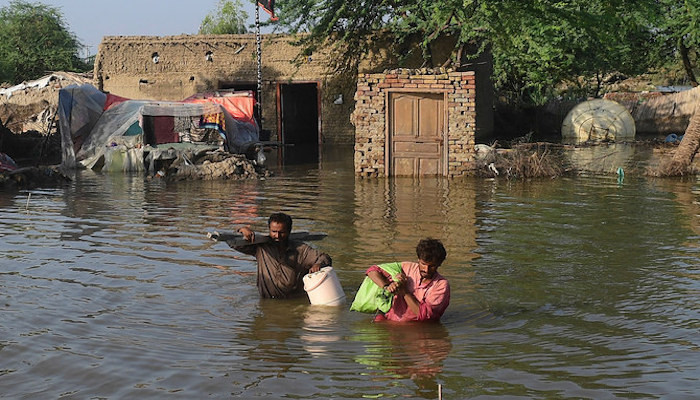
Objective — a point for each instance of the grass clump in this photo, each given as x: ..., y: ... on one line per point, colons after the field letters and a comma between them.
x: 526, y: 161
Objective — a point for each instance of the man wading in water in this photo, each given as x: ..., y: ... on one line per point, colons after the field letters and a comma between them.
x: 282, y: 263
x: 420, y: 292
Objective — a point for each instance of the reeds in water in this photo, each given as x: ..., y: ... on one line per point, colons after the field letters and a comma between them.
x: 525, y: 161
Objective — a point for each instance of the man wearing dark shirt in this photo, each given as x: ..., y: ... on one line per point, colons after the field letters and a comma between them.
x: 282, y: 263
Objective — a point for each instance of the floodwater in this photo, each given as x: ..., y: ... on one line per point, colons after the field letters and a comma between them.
x: 583, y: 287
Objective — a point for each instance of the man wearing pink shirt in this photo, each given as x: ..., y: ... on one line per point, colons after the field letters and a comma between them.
x: 420, y: 292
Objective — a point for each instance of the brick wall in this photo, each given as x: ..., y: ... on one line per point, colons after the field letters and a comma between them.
x: 370, y: 116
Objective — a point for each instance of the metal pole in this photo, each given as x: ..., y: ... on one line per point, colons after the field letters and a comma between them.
x: 259, y: 57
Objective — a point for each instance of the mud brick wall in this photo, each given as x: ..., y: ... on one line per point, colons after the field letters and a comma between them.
x: 370, y: 116
x: 124, y: 66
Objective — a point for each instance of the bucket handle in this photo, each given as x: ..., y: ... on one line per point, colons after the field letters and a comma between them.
x: 325, y: 275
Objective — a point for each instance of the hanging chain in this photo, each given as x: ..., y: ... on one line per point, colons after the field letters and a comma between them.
x: 259, y: 58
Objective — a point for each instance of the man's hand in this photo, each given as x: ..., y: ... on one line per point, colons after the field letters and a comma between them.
x: 315, y: 268
x: 247, y: 233
x: 393, y: 287
x: 383, y: 282
x: 398, y: 285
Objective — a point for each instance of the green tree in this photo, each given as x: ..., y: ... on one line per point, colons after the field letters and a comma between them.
x: 34, y: 39
x: 535, y: 44
x: 680, y: 34
x: 229, y: 18
x: 538, y: 45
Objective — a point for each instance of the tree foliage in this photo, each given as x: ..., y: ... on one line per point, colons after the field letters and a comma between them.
x: 679, y: 31
x: 540, y: 44
x: 35, y: 39
x: 535, y: 44
x: 229, y: 18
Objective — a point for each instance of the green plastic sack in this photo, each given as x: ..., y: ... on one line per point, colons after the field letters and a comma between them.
x: 370, y: 297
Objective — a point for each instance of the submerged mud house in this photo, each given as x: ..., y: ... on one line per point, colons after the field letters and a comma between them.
x: 173, y: 68
x: 304, y: 104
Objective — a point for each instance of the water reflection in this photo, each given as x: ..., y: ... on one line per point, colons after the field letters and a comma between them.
x: 271, y: 331
x: 320, y: 333
x: 686, y: 193
x: 416, y: 351
x: 575, y: 288
x: 392, y: 215
x: 7, y: 199
x: 608, y: 157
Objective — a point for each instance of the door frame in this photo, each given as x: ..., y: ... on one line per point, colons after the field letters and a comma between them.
x: 278, y: 87
x: 388, y: 167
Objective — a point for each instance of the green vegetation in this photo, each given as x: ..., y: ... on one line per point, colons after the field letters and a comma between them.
x: 540, y: 48
x: 536, y: 45
x: 34, y: 39
x: 680, y: 33
x: 229, y: 18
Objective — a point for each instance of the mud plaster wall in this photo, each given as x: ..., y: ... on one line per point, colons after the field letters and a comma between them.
x: 656, y: 113
x: 34, y: 108
x: 370, y: 113
x: 124, y: 66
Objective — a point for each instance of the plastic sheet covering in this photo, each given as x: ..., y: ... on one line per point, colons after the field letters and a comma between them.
x: 239, y: 135
x: 79, y: 109
x: 241, y: 127
x: 239, y: 104
x: 88, y: 130
x: 124, y: 154
x: 7, y: 163
x: 117, y: 120
x: 114, y: 122
x: 120, y: 158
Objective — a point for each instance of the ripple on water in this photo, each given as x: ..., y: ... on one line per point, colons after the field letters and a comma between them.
x: 575, y: 288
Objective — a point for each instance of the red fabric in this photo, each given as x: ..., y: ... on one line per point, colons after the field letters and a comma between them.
x: 113, y: 99
x: 164, y: 128
x: 240, y: 107
x: 269, y: 6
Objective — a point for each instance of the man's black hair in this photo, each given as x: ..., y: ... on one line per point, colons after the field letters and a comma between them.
x: 281, y: 218
x: 431, y: 250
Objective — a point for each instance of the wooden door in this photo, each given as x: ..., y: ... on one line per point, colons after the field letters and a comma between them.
x: 416, y: 134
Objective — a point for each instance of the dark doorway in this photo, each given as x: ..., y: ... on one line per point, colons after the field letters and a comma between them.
x: 299, y: 125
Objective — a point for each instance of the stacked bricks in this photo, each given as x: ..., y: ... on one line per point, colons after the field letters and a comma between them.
x: 370, y: 116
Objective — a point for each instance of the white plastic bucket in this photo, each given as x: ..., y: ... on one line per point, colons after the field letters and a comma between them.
x: 324, y: 288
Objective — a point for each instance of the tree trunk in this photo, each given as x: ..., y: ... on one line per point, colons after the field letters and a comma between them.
x: 687, y: 65
x: 684, y: 154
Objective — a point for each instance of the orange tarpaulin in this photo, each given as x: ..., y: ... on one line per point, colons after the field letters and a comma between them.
x: 240, y: 106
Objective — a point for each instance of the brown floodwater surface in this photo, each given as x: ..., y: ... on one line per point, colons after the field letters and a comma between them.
x: 579, y: 287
